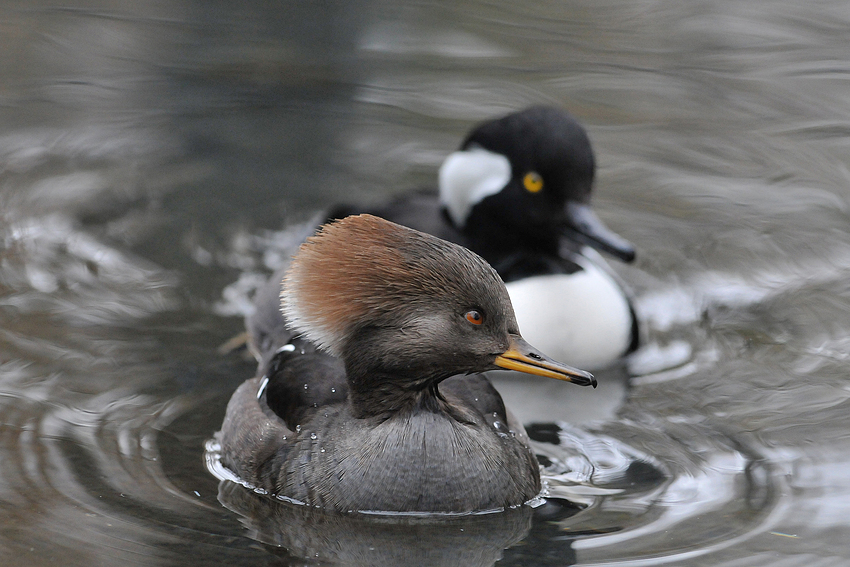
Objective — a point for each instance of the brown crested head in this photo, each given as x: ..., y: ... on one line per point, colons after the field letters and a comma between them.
x: 365, y: 271
x: 394, y: 302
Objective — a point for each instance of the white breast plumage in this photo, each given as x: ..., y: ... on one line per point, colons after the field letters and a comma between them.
x: 582, y: 318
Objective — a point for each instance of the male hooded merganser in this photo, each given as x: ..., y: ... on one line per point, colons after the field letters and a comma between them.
x: 365, y: 406
x: 517, y: 193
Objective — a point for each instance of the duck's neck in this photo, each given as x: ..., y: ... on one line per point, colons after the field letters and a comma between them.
x: 382, y: 395
x: 486, y: 235
x: 388, y: 372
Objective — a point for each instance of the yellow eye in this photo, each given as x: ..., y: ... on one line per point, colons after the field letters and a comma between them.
x: 532, y: 182
x: 474, y: 317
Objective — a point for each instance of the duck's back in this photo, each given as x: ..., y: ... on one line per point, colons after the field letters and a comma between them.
x: 420, y: 210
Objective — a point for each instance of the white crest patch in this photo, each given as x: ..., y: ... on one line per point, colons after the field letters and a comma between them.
x: 466, y: 177
x: 301, y: 321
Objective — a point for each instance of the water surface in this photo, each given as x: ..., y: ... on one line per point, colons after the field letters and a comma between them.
x: 155, y: 159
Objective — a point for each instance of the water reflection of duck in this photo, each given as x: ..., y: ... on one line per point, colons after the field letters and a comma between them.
x: 517, y: 193
x: 321, y: 538
x: 382, y: 420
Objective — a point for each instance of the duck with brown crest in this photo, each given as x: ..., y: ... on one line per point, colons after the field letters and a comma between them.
x: 377, y: 401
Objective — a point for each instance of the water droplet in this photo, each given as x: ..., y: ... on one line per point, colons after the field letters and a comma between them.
x: 305, y: 386
x: 298, y: 429
x: 322, y: 450
x: 313, y: 436
x: 333, y: 390
x: 284, y: 437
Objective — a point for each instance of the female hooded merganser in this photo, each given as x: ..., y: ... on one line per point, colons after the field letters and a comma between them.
x: 517, y: 193
x: 364, y: 407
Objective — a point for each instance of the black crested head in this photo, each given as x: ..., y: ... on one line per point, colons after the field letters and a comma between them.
x: 521, y: 185
x: 543, y: 140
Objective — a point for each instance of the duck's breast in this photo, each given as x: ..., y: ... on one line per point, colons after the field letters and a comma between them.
x: 424, y: 462
x: 583, y: 319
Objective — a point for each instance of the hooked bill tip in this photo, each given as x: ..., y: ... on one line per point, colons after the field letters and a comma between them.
x: 584, y: 379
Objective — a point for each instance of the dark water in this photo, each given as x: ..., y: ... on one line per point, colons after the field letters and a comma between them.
x: 152, y: 156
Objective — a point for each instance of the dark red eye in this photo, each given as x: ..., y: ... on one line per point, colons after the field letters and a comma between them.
x: 474, y: 317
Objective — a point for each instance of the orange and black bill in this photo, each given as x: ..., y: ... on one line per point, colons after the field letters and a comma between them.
x: 523, y: 357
